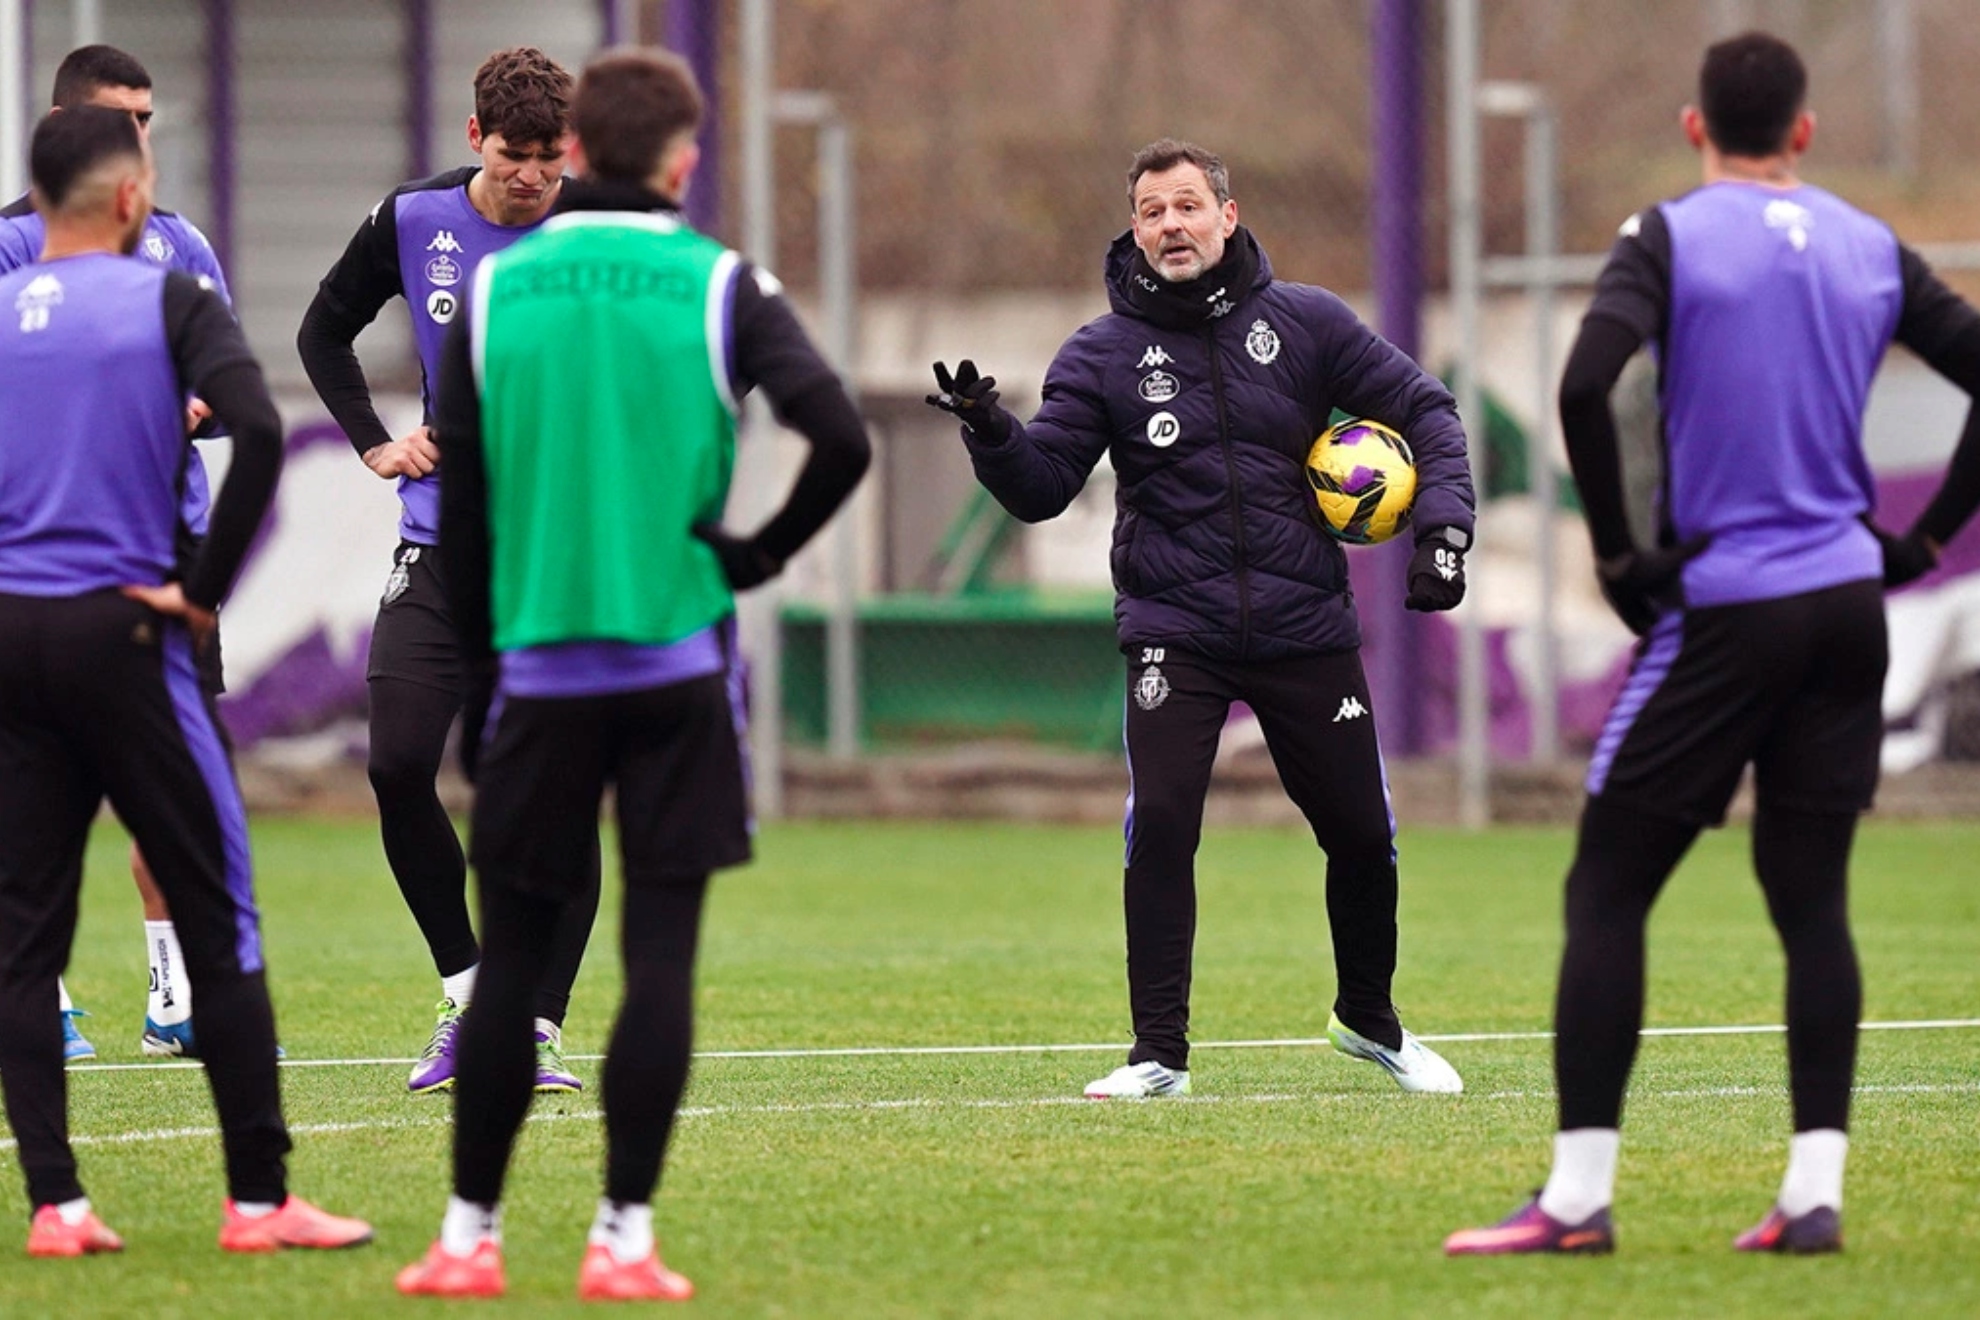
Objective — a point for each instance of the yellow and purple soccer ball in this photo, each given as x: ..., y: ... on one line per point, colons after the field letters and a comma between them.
x: 1364, y: 477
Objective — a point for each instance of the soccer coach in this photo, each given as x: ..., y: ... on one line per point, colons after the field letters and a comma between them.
x: 596, y: 571
x: 1205, y: 386
x: 99, y: 691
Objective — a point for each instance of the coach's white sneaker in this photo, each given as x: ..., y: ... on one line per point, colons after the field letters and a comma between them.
x: 1416, y: 1067
x: 1139, y: 1081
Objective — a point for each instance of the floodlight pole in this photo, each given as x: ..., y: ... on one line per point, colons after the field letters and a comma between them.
x: 1529, y: 103
x: 759, y: 612
x: 836, y: 261
x: 1466, y: 257
x: 13, y: 99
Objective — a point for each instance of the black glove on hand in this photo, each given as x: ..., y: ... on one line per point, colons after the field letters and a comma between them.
x: 972, y: 399
x: 744, y: 563
x: 478, y: 696
x: 1906, y: 558
x: 1436, y: 574
x: 1638, y: 584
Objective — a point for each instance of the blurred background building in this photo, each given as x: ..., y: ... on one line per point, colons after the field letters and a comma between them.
x: 986, y: 147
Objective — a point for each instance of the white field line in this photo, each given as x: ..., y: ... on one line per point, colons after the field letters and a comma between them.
x: 1031, y: 1102
x: 903, y: 1051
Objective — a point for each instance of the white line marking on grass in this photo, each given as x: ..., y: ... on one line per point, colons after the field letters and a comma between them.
x: 910, y: 1051
x: 1029, y: 1102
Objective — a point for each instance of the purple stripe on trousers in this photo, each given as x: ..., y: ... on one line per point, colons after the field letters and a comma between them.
x: 1127, y: 819
x: 210, y: 756
x: 1645, y: 677
x: 736, y: 677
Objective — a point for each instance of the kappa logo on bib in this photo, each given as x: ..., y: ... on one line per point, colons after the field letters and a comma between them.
x: 1163, y: 429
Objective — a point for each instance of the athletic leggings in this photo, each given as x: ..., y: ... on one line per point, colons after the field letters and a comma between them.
x: 1623, y: 858
x: 409, y: 723
x: 646, y: 1064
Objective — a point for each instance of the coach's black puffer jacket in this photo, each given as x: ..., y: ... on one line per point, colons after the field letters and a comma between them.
x: 1206, y: 396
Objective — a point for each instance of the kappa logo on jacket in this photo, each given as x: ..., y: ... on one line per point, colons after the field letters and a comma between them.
x: 1156, y: 356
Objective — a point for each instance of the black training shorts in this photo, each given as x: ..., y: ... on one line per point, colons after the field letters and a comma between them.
x: 674, y: 754
x: 1793, y: 686
x: 413, y: 638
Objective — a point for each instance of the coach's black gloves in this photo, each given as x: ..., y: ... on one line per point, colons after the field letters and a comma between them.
x: 477, y: 699
x: 1640, y: 583
x: 1906, y: 558
x: 973, y: 401
x: 1436, y: 570
x: 744, y: 563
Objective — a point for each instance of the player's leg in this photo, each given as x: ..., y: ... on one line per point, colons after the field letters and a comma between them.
x: 1176, y: 707
x: 409, y: 723
x: 683, y: 814
x: 169, y: 777
x: 168, y: 1028
x: 1315, y: 713
x: 1813, y: 775
x: 534, y: 830
x: 553, y: 995
x: 48, y: 796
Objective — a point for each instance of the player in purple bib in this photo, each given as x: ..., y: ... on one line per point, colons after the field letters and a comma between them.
x: 1769, y: 304
x: 108, y: 77
x: 422, y: 244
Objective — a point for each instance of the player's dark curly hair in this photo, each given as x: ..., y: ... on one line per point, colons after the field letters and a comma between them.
x: 524, y: 95
x: 1750, y: 90
x: 1167, y: 153
x: 631, y: 103
x: 87, y: 68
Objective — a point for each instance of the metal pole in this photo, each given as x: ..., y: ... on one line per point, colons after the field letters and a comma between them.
x: 837, y: 280
x: 758, y: 612
x: 1461, y: 100
x: 13, y: 100
x: 690, y: 30
x: 1391, y: 651
x: 419, y: 88
x: 1897, y: 52
x: 1542, y: 240
x: 222, y: 136
x: 87, y: 25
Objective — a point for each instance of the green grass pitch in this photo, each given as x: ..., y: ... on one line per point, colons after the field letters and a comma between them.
x: 1294, y: 1183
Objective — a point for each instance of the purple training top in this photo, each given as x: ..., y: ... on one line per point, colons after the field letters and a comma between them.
x: 442, y: 238
x: 171, y: 241
x: 93, y: 448
x: 1782, y: 303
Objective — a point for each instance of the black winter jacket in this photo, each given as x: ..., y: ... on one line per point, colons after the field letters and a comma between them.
x: 1208, y: 418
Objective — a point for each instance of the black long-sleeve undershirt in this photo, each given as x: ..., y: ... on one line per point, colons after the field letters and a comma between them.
x: 212, y: 360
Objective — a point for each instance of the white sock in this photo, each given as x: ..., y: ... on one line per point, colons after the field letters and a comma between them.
x: 255, y: 1209
x: 171, y: 997
x: 1584, y: 1176
x: 62, y: 989
x: 1814, y: 1172
x: 545, y: 1027
x: 624, y: 1228
x: 466, y: 1224
x: 459, y: 987
x: 73, y: 1212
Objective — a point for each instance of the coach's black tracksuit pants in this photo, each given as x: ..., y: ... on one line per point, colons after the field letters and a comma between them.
x: 1316, y: 717
x: 99, y: 697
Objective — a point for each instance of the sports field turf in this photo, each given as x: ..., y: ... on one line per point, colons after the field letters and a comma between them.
x: 1295, y: 1182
